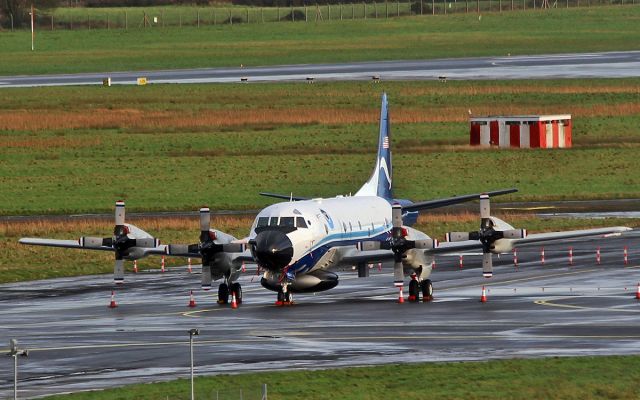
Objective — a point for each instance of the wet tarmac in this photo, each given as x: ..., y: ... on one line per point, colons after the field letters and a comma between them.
x: 76, y: 342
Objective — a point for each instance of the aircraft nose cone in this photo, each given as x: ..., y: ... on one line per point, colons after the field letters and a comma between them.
x: 273, y: 250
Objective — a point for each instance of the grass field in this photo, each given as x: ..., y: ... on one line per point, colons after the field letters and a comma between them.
x: 518, y: 32
x: 583, y: 378
x: 169, y: 147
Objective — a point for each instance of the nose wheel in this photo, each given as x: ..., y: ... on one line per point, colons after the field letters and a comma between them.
x: 284, y: 297
x: 224, y: 292
x: 424, y: 288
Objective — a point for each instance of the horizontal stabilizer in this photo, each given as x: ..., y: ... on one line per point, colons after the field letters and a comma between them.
x: 430, y: 204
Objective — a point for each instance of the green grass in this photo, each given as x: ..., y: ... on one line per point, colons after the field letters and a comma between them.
x: 583, y: 378
x: 515, y: 33
x: 168, y: 147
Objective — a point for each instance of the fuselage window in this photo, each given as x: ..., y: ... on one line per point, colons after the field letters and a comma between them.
x: 273, y: 221
x: 300, y: 222
x: 262, y: 221
x: 286, y: 221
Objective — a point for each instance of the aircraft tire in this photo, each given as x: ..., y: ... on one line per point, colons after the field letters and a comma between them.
x: 223, y: 294
x: 414, y: 290
x: 427, y: 290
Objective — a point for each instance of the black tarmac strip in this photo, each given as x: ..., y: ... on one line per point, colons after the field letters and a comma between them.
x: 76, y: 342
x: 580, y: 65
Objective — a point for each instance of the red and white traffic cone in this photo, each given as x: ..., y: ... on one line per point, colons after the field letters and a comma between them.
x: 380, y: 266
x: 483, y: 297
x: 189, y: 265
x: 570, y: 255
x: 234, y: 303
x: 638, y: 292
x: 598, y: 255
x: 244, y: 269
x: 401, y: 296
x: 461, y: 262
x: 192, y: 300
x: 135, y: 266
x: 515, y: 257
x: 113, y: 303
x: 433, y: 263
x: 162, y: 265
x: 626, y: 256
x: 542, y: 255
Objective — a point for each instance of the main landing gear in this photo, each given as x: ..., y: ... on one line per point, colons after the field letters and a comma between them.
x: 416, y: 288
x: 225, y: 290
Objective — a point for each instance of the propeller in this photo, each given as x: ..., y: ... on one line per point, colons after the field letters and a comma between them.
x: 120, y: 242
x: 399, y: 244
x: 488, y: 234
x: 207, y: 248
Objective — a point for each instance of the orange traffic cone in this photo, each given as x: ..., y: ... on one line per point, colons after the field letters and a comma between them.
x: 135, y: 266
x: 234, y: 303
x: 401, y: 297
x: 162, y: 265
x: 192, y: 300
x: 113, y: 303
x: 483, y: 298
x: 189, y: 265
x: 638, y: 292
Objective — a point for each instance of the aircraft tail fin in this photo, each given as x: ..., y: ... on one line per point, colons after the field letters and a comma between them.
x: 380, y: 182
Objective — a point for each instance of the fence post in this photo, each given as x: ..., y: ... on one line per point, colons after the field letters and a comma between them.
x: 262, y: 14
x: 51, y: 21
x: 375, y: 8
x: 386, y: 8
x: 230, y: 18
x: 340, y: 11
x: 500, y: 5
x: 247, y: 15
x: 108, y: 25
x: 444, y: 5
x: 306, y: 18
x: 329, y: 11
x: 466, y: 6
x: 88, y: 22
x: 421, y: 7
x: 278, y: 10
x: 512, y: 5
x: 353, y: 11
x: 364, y: 5
x: 126, y: 21
x: 198, y: 18
x: 398, y: 7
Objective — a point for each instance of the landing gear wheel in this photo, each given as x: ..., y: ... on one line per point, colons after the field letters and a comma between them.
x: 237, y: 289
x: 427, y: 290
x: 414, y: 290
x: 287, y: 298
x: 223, y: 294
x: 281, y: 296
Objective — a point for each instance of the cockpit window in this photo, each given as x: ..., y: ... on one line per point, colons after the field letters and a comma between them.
x: 262, y: 221
x: 286, y: 221
x: 273, y: 221
x: 300, y: 222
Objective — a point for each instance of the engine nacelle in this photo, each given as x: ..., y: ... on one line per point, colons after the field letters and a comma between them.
x: 317, y: 281
x: 502, y: 246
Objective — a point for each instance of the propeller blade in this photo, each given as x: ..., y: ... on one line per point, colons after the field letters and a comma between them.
x: 398, y: 274
x: 206, y: 277
x: 396, y: 216
x: 233, y: 247
x: 485, y: 206
x: 205, y: 220
x: 368, y: 246
x: 119, y: 212
x: 487, y: 265
x: 425, y: 244
x: 457, y: 236
x: 118, y: 271
x: 147, y: 242
x: 92, y: 242
x: 514, y: 234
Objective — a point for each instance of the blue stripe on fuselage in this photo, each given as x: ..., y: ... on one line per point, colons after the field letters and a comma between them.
x: 308, y: 261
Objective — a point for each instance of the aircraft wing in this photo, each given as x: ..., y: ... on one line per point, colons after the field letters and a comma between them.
x: 69, y: 244
x: 371, y: 256
x: 543, y: 237
x: 430, y: 204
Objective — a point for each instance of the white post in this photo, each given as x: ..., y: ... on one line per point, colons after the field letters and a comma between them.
x: 32, y: 27
x: 15, y: 377
x: 191, y: 351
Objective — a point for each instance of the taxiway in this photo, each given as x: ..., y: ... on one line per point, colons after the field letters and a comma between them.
x: 77, y: 343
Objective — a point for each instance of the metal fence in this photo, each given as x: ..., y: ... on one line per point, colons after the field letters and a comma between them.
x: 94, y: 18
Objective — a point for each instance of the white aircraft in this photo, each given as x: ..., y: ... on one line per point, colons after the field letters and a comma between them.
x: 299, y: 242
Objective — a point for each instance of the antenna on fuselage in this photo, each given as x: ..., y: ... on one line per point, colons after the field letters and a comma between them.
x: 291, y: 197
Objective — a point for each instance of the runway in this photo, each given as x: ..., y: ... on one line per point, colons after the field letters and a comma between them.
x: 583, y: 65
x: 77, y: 343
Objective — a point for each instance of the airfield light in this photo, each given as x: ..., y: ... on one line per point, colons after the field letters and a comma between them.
x: 192, y: 332
x: 14, y: 352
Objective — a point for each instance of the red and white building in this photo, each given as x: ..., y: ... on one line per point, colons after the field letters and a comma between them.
x: 543, y: 131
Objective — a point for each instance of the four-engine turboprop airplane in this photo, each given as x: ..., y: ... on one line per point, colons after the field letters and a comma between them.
x: 298, y: 243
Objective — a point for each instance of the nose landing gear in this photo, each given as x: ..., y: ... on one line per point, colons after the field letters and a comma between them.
x: 224, y: 292
x: 416, y: 288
